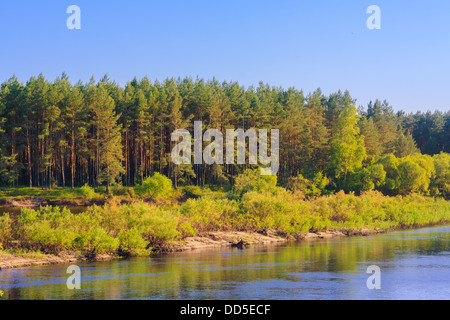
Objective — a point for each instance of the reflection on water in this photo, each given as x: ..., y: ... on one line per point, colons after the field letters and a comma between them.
x: 414, y: 265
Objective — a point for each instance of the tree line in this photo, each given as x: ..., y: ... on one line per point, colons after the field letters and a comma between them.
x: 99, y: 133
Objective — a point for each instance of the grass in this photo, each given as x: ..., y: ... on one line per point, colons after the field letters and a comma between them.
x: 53, y: 194
x: 99, y: 193
x: 22, y: 253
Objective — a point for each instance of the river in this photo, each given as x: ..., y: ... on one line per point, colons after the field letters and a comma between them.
x: 414, y: 264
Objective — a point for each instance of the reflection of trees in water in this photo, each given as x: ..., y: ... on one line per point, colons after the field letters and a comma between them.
x: 207, y: 274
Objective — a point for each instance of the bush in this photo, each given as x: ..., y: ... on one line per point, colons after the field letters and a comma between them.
x: 159, y: 227
x: 96, y: 241
x: 88, y: 192
x: 210, y: 214
x: 441, y: 182
x: 311, y: 188
x: 119, y: 190
x: 186, y: 229
x: 5, y: 230
x: 282, y: 211
x: 252, y: 180
x: 49, y: 229
x: 157, y: 186
x: 131, y: 242
x: 366, y: 179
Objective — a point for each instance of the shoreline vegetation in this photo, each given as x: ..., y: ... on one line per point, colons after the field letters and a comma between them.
x: 256, y: 211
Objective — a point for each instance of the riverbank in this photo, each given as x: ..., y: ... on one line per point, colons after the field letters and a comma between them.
x: 211, y: 240
x: 117, y: 230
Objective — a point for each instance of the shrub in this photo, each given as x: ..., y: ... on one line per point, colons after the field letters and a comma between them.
x: 88, y: 192
x: 49, y: 229
x: 311, y: 188
x: 158, y: 186
x: 283, y: 211
x: 119, y: 190
x: 193, y: 192
x: 209, y: 214
x: 131, y: 242
x: 441, y: 182
x: 252, y: 180
x: 96, y: 241
x: 159, y: 227
x: 186, y: 229
x: 5, y: 230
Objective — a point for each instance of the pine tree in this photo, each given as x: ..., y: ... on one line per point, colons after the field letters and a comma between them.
x: 372, y: 142
x: 108, y: 137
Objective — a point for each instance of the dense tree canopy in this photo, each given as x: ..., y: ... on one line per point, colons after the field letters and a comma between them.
x: 63, y: 134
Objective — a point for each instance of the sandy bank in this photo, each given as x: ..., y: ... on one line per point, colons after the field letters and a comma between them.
x: 205, y: 241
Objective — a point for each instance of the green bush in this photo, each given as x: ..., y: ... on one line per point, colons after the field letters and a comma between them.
x: 49, y: 229
x: 366, y: 179
x: 210, y: 214
x: 96, y: 241
x: 157, y: 186
x: 131, y: 242
x: 5, y: 230
x: 311, y: 188
x: 284, y: 211
x: 119, y: 190
x: 441, y: 182
x: 160, y: 227
x: 252, y: 180
x: 186, y: 229
x: 88, y: 192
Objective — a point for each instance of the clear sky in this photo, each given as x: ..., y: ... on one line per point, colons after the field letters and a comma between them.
x: 304, y: 44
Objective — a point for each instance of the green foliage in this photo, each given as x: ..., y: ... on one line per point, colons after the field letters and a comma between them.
x: 252, y: 180
x: 413, y: 176
x: 5, y: 230
x: 95, y: 240
x: 158, y: 186
x: 393, y: 180
x: 377, y: 175
x: 108, y: 138
x: 366, y: 179
x: 372, y: 139
x: 347, y: 146
x: 193, y: 191
x: 49, y: 230
x: 209, y: 214
x: 405, y: 145
x: 187, y: 230
x: 119, y: 190
x: 311, y: 188
x: 55, y: 133
x: 138, y: 228
x: 280, y: 211
x: 129, y: 229
x: 88, y: 192
x: 441, y: 182
x: 131, y: 242
x: 9, y: 169
x: 160, y: 227
x: 413, y: 173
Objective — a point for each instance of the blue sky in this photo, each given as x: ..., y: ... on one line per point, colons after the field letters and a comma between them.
x: 304, y: 44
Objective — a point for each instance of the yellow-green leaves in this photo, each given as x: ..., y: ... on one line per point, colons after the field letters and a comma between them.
x: 347, y: 145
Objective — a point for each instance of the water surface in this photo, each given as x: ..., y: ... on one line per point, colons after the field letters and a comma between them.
x: 414, y: 265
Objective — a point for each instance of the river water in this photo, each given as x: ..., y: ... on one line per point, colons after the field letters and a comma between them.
x: 413, y: 265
